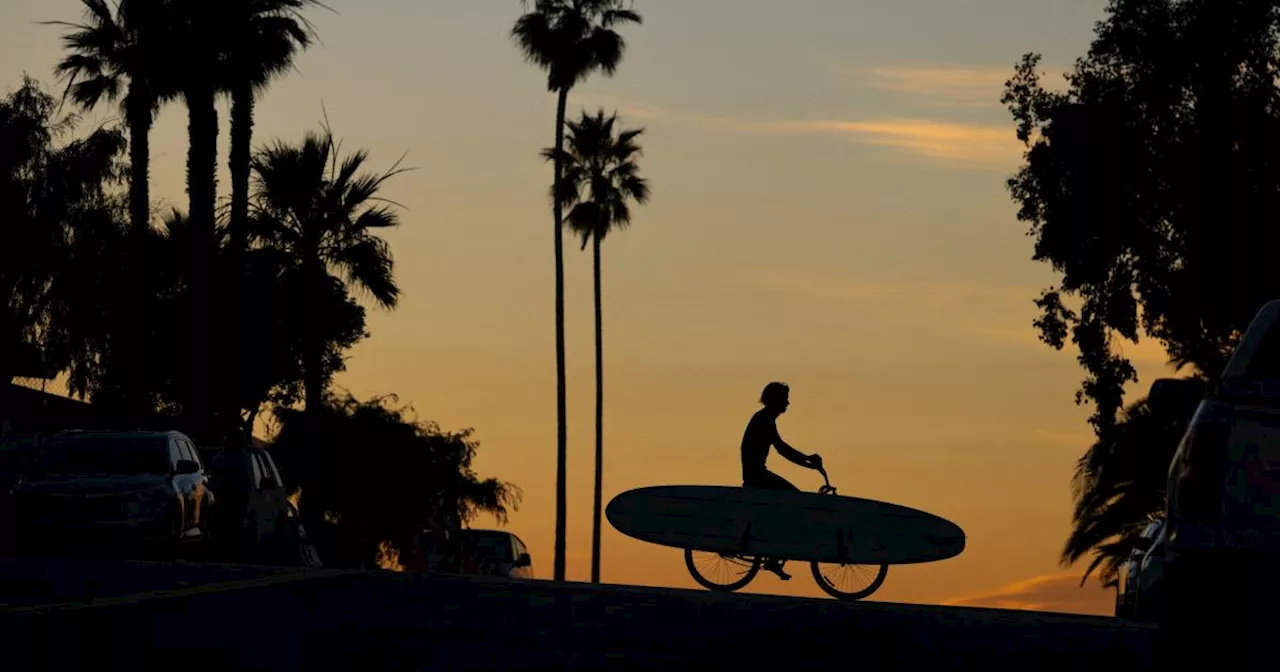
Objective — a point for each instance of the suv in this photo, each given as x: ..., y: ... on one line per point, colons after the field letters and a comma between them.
x: 113, y: 486
x: 255, y: 520
x: 1224, y: 479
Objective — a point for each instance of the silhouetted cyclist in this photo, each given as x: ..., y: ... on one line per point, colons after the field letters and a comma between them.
x: 761, y: 433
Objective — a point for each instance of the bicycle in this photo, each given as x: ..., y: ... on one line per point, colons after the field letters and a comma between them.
x: 750, y: 565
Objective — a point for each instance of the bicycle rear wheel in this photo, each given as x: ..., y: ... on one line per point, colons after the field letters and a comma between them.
x: 848, y: 582
x: 721, y: 573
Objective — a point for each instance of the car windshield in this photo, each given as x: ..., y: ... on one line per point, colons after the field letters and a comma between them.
x: 116, y: 455
x: 491, y: 546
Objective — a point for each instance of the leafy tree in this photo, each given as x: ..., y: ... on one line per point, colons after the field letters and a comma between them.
x: 115, y: 54
x: 382, y: 474
x: 570, y: 39
x: 47, y: 193
x: 1149, y: 186
x: 600, y: 177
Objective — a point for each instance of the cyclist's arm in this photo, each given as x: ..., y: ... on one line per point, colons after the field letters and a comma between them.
x: 785, y: 450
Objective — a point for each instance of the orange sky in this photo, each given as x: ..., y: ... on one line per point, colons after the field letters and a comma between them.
x: 828, y: 209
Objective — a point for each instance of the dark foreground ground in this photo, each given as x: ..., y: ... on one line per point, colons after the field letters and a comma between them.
x: 112, y: 615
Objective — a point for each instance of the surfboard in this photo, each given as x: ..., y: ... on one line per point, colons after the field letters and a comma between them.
x: 801, y: 526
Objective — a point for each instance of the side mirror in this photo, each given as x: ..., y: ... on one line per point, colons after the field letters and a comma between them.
x: 524, y: 560
x: 187, y: 467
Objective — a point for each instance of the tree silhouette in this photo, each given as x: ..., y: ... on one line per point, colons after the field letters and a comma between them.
x: 262, y: 39
x: 382, y: 474
x: 325, y: 216
x: 47, y: 192
x: 600, y: 176
x: 1149, y: 188
x: 570, y: 39
x: 116, y: 56
x: 113, y: 56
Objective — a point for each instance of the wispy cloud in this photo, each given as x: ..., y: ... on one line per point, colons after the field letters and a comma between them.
x: 1056, y: 592
x: 954, y: 143
x: 1079, y: 440
x: 949, y: 86
x: 942, y: 86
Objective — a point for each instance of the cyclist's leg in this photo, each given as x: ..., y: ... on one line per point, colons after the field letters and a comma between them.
x: 768, y: 480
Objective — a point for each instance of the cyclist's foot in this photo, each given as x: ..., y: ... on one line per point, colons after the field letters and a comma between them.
x: 776, y: 568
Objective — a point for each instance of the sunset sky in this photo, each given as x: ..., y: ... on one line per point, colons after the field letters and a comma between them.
x: 828, y: 209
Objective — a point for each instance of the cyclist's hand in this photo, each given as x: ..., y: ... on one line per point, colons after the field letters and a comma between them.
x: 815, y: 461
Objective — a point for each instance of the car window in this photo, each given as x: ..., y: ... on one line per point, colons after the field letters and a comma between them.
x: 188, y: 451
x: 114, y: 455
x: 269, y: 465
x: 255, y: 472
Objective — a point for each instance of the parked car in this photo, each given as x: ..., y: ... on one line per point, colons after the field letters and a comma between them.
x: 17, y: 454
x: 106, y: 488
x: 1130, y: 586
x: 493, y: 553
x: 255, y: 521
x: 1223, y: 541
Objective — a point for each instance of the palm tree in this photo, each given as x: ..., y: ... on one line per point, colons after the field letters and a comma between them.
x: 600, y: 176
x: 264, y: 38
x: 113, y: 56
x: 1119, y: 485
x: 325, y: 215
x: 570, y: 39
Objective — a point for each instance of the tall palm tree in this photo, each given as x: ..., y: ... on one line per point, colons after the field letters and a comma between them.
x: 262, y: 40
x: 112, y: 56
x: 600, y: 176
x: 265, y: 36
x: 570, y: 39
x: 325, y: 215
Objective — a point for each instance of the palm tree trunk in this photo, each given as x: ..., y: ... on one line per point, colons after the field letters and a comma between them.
x: 595, y: 522
x: 133, y: 331
x: 138, y: 109
x: 202, y: 167
x: 312, y: 350
x: 241, y: 144
x: 561, y: 429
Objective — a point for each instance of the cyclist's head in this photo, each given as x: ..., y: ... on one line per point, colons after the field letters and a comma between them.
x: 776, y: 396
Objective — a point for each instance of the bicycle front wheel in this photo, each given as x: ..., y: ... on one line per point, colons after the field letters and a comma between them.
x: 849, y: 582
x: 721, y: 573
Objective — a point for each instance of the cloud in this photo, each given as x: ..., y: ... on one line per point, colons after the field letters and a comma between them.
x: 1055, y: 592
x: 943, y: 86
x: 953, y: 143
x: 950, y: 86
x: 1079, y: 440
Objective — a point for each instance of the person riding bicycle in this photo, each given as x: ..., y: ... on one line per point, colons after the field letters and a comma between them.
x: 761, y: 433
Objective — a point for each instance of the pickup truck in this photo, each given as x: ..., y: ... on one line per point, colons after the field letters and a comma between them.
x: 1222, y: 548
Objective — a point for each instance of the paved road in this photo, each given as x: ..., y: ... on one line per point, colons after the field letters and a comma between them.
x: 288, y: 620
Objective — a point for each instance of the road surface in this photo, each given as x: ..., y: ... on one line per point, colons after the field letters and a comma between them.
x: 223, y: 617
